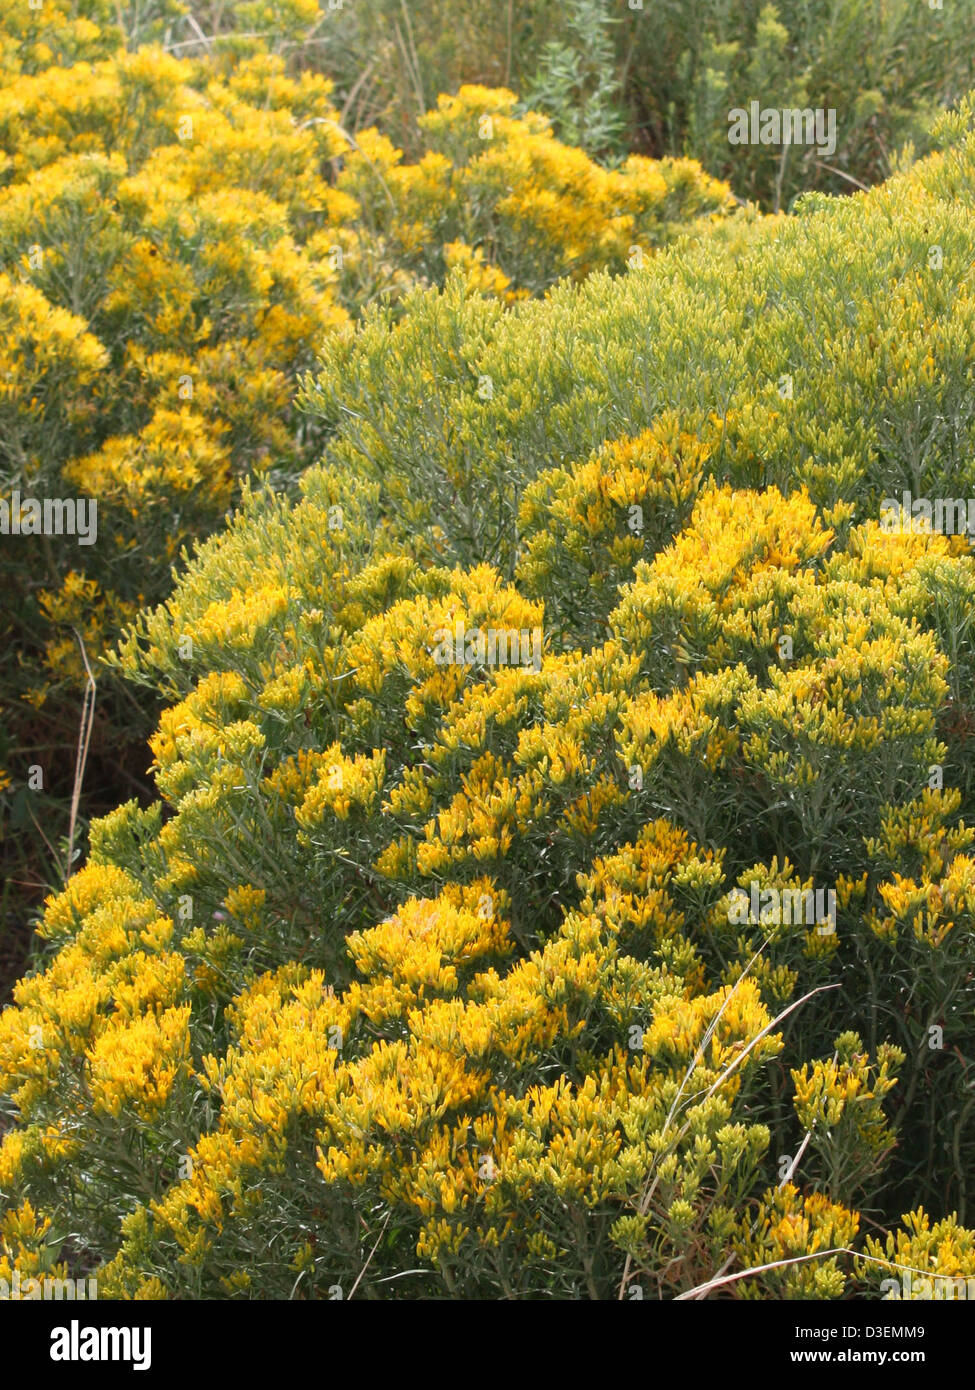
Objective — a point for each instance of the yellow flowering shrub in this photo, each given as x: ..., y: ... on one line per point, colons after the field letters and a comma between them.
x: 500, y: 185
x: 461, y: 976
x: 164, y: 277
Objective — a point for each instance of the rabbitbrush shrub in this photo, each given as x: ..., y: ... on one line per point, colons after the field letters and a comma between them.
x: 433, y: 945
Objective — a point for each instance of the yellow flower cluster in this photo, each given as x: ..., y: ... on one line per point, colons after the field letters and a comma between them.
x: 138, y: 1062
x: 791, y: 1224
x: 923, y: 1260
x: 840, y: 1104
x: 107, y: 1016
x: 586, y: 528
x: 342, y: 784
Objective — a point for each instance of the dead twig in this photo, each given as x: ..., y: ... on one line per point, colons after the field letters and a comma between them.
x: 371, y: 1253
x: 84, y: 739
